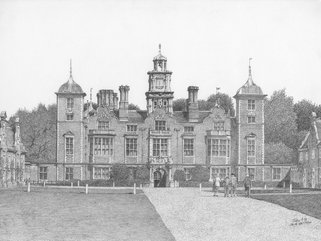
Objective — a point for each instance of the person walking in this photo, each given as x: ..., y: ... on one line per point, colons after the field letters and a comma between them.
x: 233, y: 185
x: 247, y: 185
x: 216, y: 185
x: 227, y: 184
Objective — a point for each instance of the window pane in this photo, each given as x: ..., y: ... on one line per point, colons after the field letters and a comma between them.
x: 160, y: 125
x: 131, y: 147
x: 188, y: 147
x: 250, y: 147
x: 103, y: 125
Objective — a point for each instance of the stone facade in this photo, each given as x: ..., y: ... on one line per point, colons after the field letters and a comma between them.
x: 12, y: 154
x: 89, y: 141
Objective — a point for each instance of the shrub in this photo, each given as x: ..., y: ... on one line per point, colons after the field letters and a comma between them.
x: 200, y: 174
x: 179, y: 175
x: 142, y: 175
x: 120, y: 174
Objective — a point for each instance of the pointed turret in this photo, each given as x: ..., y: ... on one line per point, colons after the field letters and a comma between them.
x: 249, y: 88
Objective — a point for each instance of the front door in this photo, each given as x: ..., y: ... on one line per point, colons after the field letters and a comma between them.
x: 157, y: 178
x: 160, y: 178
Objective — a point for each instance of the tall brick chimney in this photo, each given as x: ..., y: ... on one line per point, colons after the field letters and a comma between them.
x: 192, y: 104
x: 123, y: 102
x: 106, y: 98
x: 115, y: 100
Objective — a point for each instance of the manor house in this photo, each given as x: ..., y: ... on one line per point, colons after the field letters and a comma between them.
x: 90, y: 140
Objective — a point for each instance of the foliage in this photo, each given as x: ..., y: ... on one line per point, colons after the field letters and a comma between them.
x: 224, y: 100
x: 120, y: 173
x: 280, y: 119
x: 179, y: 175
x: 38, y: 132
x: 179, y: 104
x: 205, y: 105
x: 132, y: 106
x: 86, y: 105
x: 142, y: 175
x: 200, y: 174
x: 279, y: 153
x: 303, y: 110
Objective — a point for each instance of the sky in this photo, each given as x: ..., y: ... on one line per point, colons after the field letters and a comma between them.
x: 112, y: 43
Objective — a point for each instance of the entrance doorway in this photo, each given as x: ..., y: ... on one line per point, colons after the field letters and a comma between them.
x: 160, y: 178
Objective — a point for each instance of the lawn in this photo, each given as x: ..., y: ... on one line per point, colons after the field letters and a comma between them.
x: 69, y: 214
x: 309, y: 204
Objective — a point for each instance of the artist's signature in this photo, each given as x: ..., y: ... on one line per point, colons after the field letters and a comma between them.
x: 301, y: 221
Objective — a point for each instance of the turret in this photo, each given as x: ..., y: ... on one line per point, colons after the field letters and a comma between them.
x: 159, y: 93
x: 250, y: 124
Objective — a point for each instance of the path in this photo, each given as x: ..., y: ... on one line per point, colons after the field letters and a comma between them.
x: 191, y: 215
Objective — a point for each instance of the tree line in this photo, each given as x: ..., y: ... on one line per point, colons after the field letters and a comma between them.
x: 286, y: 124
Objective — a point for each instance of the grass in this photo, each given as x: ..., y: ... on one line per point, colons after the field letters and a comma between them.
x: 309, y: 204
x: 69, y: 214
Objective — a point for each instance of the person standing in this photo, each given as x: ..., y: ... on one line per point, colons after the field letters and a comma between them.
x: 227, y: 185
x: 216, y: 185
x: 247, y: 185
x: 233, y: 185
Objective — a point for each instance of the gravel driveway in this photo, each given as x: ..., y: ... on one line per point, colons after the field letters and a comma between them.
x: 192, y: 215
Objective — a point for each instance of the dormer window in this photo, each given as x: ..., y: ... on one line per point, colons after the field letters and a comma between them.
x: 219, y: 126
x: 251, y: 104
x: 160, y: 125
x: 70, y: 103
x: 103, y: 125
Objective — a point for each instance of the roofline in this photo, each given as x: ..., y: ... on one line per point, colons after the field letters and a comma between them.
x: 69, y: 93
x: 304, y: 140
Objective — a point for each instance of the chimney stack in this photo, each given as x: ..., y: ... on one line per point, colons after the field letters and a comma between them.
x: 106, y: 98
x: 123, y: 102
x: 192, y: 104
x: 115, y: 100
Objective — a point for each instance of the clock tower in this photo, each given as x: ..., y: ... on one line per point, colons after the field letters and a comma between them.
x: 159, y: 93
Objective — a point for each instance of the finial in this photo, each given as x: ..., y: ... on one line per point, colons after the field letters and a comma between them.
x: 70, y: 68
x: 250, y: 72
x: 160, y: 48
x: 250, y: 81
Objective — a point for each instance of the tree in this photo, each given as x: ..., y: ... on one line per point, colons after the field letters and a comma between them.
x: 303, y: 110
x: 223, y: 100
x: 200, y: 174
x: 120, y: 174
x: 132, y: 106
x: 279, y: 153
x: 280, y: 119
x: 38, y: 132
x: 142, y: 175
x: 179, y: 104
x: 205, y: 105
x: 179, y: 175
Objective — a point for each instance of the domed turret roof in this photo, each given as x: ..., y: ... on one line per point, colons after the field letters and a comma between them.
x: 249, y: 88
x: 70, y: 87
x: 160, y: 56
